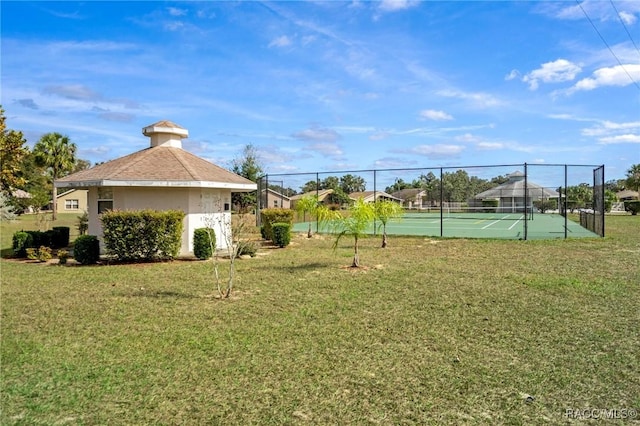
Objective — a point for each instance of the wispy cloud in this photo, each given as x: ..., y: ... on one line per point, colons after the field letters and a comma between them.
x: 436, y: 115
x: 620, y: 75
x: 395, y: 5
x: 282, y: 41
x: 557, y: 71
x: 475, y: 99
x: 317, y: 134
x: 27, y: 103
x: 77, y: 92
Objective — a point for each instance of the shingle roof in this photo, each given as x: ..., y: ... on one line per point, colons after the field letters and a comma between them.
x: 157, y: 164
x: 515, y: 187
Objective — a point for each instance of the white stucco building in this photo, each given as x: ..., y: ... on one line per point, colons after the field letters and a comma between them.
x: 162, y: 177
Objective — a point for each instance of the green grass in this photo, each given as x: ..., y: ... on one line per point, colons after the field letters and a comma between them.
x: 433, y: 331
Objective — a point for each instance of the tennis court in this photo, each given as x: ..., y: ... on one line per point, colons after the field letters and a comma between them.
x: 462, y: 224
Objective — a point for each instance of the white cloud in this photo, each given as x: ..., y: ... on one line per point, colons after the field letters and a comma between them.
x: 437, y: 150
x: 282, y: 41
x: 626, y: 138
x: 552, y: 72
x: 490, y: 146
x: 328, y: 148
x: 628, y: 18
x: 76, y: 92
x: 432, y: 114
x: 174, y: 11
x: 477, y: 99
x: 512, y: 75
x: 609, y: 76
x: 395, y: 5
x: 317, y: 134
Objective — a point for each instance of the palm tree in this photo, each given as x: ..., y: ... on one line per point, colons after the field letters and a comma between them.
x: 385, y: 211
x: 58, y: 154
x: 361, y: 214
x: 308, y: 204
x: 633, y: 177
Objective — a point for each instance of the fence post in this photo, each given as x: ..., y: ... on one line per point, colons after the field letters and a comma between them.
x: 526, y: 201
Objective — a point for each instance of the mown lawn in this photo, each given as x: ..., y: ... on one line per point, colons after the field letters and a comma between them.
x: 433, y: 331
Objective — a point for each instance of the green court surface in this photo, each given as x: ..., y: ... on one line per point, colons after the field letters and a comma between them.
x: 478, y: 225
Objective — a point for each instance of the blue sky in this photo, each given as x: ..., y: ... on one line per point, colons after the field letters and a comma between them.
x: 321, y: 86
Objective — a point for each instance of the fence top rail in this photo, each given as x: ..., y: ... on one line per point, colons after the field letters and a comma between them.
x: 267, y: 175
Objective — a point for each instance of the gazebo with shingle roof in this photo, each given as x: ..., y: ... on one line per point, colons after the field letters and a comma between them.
x: 161, y: 177
x: 512, y: 193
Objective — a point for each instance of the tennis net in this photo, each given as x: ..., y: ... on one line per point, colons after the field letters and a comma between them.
x: 476, y: 213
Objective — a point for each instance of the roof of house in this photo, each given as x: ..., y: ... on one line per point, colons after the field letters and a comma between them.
x: 322, y: 194
x: 515, y: 187
x: 276, y: 193
x: 370, y: 194
x: 407, y: 193
x: 627, y: 193
x: 164, y: 163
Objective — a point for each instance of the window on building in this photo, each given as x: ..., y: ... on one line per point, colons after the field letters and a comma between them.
x: 105, y: 200
x: 71, y: 204
x: 275, y: 203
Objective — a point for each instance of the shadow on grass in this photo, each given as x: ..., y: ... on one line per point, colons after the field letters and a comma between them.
x: 161, y: 294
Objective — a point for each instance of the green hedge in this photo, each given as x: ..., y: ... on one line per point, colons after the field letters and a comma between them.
x: 632, y: 206
x: 21, y: 242
x: 204, y: 242
x: 281, y: 234
x: 60, y: 237
x: 142, y: 234
x: 86, y: 249
x: 271, y: 216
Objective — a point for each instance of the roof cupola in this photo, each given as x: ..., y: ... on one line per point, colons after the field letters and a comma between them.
x: 165, y: 133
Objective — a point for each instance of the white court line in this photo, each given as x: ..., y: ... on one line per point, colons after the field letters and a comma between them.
x: 514, y: 224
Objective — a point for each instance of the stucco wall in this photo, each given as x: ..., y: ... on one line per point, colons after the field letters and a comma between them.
x: 202, y: 205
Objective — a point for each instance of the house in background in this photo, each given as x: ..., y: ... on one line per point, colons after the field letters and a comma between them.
x: 373, y: 196
x: 72, y: 201
x: 412, y: 198
x: 162, y: 177
x: 511, y: 194
x: 322, y: 196
x: 627, y: 195
x: 274, y: 199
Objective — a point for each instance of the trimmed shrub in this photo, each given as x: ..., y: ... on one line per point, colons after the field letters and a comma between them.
x: 247, y: 247
x: 63, y: 256
x: 143, y: 234
x: 60, y: 236
x: 40, y: 238
x: 86, y: 249
x: 21, y: 242
x: 632, y: 206
x: 281, y: 234
x: 204, y: 242
x: 271, y: 216
x: 41, y: 254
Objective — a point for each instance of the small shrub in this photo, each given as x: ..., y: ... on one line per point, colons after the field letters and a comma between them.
x: 41, y: 254
x: 63, y: 256
x: 32, y: 253
x: 83, y: 223
x: 247, y: 248
x: 40, y: 238
x: 204, y: 241
x: 271, y: 216
x: 632, y: 206
x: 86, y: 249
x: 281, y: 234
x: 44, y: 254
x: 60, y: 236
x: 21, y: 242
